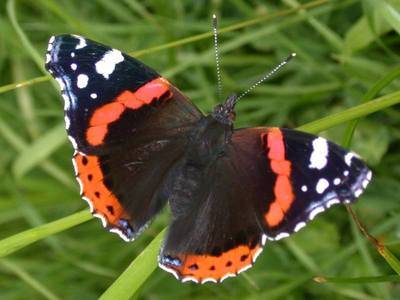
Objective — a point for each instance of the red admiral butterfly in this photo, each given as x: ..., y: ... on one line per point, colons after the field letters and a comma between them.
x: 140, y: 143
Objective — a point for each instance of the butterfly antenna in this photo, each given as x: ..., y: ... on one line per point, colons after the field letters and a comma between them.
x: 268, y: 75
x: 215, y: 31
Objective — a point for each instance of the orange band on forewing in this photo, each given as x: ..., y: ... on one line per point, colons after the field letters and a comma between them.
x: 282, y: 168
x: 274, y: 215
x: 95, y: 135
x: 275, y: 145
x: 106, y: 114
x: 152, y: 90
x: 283, y: 192
x: 129, y: 100
x: 111, y: 112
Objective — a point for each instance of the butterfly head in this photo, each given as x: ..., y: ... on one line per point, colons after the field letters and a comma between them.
x: 225, y: 113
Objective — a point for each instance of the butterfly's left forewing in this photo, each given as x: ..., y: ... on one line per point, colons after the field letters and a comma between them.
x: 127, y: 125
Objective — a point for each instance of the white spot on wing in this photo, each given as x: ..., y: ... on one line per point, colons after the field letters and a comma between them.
x: 75, y: 166
x: 82, y: 42
x: 73, y: 142
x: 299, y: 226
x: 315, y: 212
x: 282, y: 235
x: 106, y: 65
x: 208, y: 280
x: 61, y: 83
x: 245, y: 268
x: 74, y: 67
x: 348, y: 157
x: 322, y: 185
x: 52, y: 38
x: 263, y: 239
x: 369, y: 175
x: 258, y: 252
x: 82, y: 81
x: 346, y: 173
x: 80, y: 185
x: 189, y: 278
x: 173, y: 272
x: 332, y: 202
x: 336, y: 181
x: 47, y: 58
x: 304, y: 188
x: 66, y: 101
x: 227, y: 276
x: 93, y: 95
x: 103, y: 220
x: 358, y: 192
x: 121, y: 234
x: 67, y: 122
x: 89, y: 202
x: 72, y: 54
x: 318, y: 158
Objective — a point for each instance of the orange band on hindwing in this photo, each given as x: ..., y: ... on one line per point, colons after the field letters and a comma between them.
x: 102, y: 200
x: 203, y: 268
x: 283, y: 191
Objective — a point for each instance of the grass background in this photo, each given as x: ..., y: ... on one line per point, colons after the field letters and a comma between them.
x: 344, y: 49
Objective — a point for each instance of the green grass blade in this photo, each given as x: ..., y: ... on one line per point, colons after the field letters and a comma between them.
x: 37, y: 58
x: 390, y: 258
x: 352, y: 113
x: 42, y: 148
x: 28, y: 279
x: 52, y: 169
x: 372, y: 93
x: 136, y: 274
x: 180, y: 42
x: 25, y: 238
x: 357, y: 280
x: 29, y: 82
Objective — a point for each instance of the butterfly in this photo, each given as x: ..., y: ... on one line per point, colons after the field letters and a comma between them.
x: 140, y: 144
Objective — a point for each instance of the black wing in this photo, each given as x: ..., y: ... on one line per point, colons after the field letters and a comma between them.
x: 269, y: 184
x: 126, y: 124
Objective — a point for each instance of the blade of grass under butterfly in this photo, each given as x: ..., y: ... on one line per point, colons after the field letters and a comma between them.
x: 137, y: 273
x: 25, y: 238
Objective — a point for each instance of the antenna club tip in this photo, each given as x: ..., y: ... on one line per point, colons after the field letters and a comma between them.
x: 214, y: 21
x: 294, y: 54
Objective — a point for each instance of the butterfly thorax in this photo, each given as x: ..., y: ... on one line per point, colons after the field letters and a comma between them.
x: 208, y: 141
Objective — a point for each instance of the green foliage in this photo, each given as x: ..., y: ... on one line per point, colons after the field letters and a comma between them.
x: 347, y: 67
